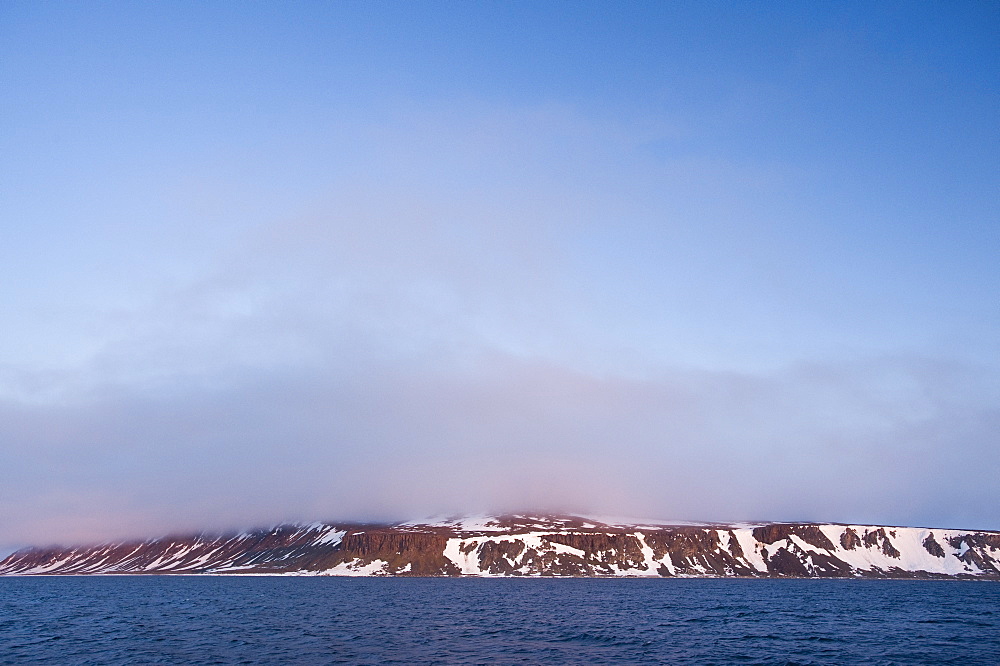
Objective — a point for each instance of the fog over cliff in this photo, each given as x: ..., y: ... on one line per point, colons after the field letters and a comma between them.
x: 887, y: 441
x: 369, y: 262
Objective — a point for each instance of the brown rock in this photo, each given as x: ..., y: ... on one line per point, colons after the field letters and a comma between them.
x: 850, y: 539
x: 932, y: 546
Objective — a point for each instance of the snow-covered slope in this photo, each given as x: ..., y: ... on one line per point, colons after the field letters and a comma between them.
x: 543, y: 546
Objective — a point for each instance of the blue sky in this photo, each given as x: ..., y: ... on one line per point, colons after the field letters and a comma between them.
x: 266, y: 261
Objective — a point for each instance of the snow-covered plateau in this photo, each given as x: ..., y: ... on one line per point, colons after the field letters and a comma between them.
x: 534, y: 545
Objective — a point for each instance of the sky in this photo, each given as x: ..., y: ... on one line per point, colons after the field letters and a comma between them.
x: 266, y: 262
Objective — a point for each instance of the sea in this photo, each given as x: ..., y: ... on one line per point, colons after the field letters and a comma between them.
x: 329, y: 620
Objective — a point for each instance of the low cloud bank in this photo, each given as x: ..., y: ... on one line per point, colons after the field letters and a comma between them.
x: 891, y: 441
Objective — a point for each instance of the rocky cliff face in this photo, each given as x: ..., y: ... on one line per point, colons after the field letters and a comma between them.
x: 542, y: 546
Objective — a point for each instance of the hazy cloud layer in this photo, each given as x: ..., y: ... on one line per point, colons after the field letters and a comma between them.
x: 891, y: 440
x: 404, y: 345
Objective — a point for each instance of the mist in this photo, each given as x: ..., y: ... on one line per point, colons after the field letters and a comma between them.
x: 503, y: 434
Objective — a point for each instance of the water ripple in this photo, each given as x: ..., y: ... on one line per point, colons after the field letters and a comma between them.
x: 230, y: 620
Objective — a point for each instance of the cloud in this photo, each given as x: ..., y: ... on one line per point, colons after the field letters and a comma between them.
x: 894, y: 441
x: 486, y: 310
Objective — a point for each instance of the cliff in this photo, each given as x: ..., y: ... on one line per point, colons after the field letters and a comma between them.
x: 542, y: 546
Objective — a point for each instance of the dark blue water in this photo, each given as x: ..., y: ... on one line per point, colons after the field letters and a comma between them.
x: 261, y: 620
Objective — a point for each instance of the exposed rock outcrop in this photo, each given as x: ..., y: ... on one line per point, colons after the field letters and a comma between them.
x: 520, y: 545
x: 933, y: 547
